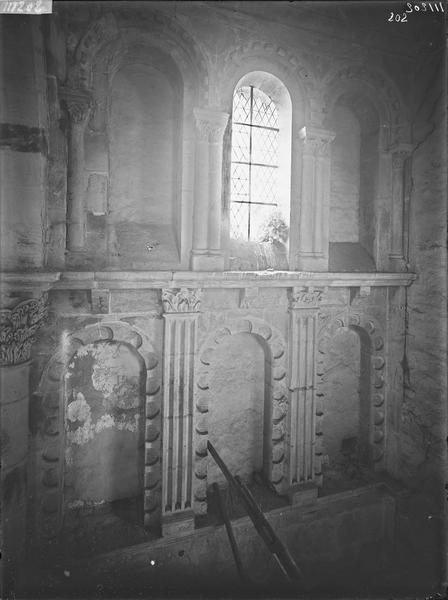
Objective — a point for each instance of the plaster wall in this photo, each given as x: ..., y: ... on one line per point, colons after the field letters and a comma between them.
x: 345, y: 163
x: 236, y: 410
x: 104, y: 422
x: 24, y: 145
x: 342, y: 400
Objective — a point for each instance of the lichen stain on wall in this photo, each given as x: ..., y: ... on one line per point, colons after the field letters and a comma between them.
x: 103, y: 417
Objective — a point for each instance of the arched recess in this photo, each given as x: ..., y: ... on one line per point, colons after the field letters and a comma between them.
x: 275, y: 408
x: 355, y: 168
x: 382, y: 93
x: 291, y: 81
x: 372, y: 393
x: 52, y: 441
x: 374, y: 104
x: 111, y: 45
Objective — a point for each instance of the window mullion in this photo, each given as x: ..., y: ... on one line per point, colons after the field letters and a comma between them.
x: 250, y: 160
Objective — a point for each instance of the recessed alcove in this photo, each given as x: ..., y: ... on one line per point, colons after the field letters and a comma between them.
x: 346, y: 421
x: 237, y: 390
x: 353, y: 184
x: 104, y: 443
x: 133, y: 157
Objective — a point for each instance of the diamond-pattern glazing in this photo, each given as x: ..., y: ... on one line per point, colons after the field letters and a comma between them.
x: 254, y: 162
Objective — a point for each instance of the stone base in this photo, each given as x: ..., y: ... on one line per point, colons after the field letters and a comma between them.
x: 312, y: 262
x: 397, y: 263
x: 177, y: 523
x: 301, y: 494
x: 207, y: 262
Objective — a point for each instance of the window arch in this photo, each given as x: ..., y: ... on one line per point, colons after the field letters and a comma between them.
x: 260, y: 155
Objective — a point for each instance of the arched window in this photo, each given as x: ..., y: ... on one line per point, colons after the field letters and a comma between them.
x: 255, y: 162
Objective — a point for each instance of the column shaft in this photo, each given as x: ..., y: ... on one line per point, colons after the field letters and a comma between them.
x: 396, y: 255
x: 315, y: 199
x: 215, y: 210
x: 75, y: 189
x: 78, y: 104
x: 17, y: 329
x: 206, y: 251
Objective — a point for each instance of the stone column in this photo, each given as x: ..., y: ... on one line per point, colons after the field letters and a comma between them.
x: 181, y: 311
x: 303, y: 310
x: 79, y: 104
x: 207, y: 252
x: 17, y: 329
x: 400, y: 153
x: 315, y: 199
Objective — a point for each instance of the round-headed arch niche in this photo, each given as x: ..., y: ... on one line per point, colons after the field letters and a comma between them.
x: 371, y: 417
x: 275, y: 401
x: 53, y: 442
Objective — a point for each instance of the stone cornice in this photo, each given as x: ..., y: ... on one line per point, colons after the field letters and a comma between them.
x: 195, y: 279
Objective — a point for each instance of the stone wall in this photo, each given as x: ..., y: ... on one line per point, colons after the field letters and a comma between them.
x: 423, y: 412
x: 107, y: 213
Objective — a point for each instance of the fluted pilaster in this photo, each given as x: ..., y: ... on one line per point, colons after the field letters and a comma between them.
x: 181, y: 311
x: 303, y: 310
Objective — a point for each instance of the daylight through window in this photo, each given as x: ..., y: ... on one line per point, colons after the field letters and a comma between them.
x: 254, y: 184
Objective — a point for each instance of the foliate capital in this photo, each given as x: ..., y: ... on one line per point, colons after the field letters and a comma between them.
x: 305, y: 297
x: 18, y: 327
x: 210, y: 124
x: 79, y: 104
x: 316, y: 142
x: 181, y: 300
x: 400, y: 152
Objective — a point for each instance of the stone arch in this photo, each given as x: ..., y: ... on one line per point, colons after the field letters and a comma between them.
x: 372, y: 340
x: 106, y: 33
x: 381, y: 92
x: 295, y: 75
x: 154, y: 40
x: 50, y: 467
x: 278, y: 396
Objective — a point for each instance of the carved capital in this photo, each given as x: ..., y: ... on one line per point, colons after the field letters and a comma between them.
x: 305, y: 297
x: 79, y: 104
x: 183, y: 300
x: 18, y: 327
x: 400, y: 153
x: 210, y: 124
x: 316, y: 142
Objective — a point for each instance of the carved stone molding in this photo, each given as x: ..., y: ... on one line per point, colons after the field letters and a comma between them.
x: 316, y: 142
x: 183, y: 300
x: 18, y: 327
x: 305, y: 297
x: 210, y: 124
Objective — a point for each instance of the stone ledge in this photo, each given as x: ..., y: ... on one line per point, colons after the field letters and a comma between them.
x: 226, y: 279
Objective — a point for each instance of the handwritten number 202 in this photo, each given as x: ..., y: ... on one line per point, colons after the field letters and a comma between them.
x: 398, y: 18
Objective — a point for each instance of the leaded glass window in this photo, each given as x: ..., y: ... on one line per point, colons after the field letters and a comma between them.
x: 254, y: 162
